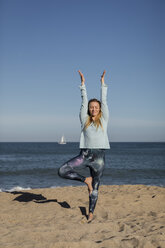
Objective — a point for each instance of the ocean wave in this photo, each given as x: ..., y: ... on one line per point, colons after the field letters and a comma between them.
x: 16, y: 188
x: 19, y: 188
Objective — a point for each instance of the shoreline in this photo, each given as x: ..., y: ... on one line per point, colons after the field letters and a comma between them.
x: 125, y: 216
x: 18, y: 188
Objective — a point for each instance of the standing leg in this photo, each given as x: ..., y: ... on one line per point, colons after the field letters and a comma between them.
x: 96, y: 173
x: 94, y: 195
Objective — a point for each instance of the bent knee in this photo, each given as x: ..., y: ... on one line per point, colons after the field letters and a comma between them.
x: 61, y: 172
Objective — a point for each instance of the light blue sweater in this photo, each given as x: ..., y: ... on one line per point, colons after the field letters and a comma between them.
x: 92, y: 137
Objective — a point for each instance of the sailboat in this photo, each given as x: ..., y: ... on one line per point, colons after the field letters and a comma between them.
x: 62, y: 141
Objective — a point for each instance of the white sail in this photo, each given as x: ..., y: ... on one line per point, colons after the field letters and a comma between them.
x: 62, y: 141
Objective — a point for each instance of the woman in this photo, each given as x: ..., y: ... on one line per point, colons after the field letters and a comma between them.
x: 93, y: 142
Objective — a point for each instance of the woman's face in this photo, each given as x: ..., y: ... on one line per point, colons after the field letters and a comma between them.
x: 94, y: 109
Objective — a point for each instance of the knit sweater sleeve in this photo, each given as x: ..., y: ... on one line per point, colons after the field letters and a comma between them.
x: 84, y: 105
x: 104, y: 106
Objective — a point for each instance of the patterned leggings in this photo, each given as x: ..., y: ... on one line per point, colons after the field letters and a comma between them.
x: 92, y: 158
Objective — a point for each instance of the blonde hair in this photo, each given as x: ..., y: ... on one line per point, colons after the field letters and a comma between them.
x: 97, y: 121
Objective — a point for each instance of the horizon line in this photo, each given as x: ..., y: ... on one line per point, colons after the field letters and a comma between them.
x: 79, y: 142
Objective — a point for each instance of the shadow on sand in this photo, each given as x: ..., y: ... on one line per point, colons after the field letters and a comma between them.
x: 37, y: 198
x: 83, y: 211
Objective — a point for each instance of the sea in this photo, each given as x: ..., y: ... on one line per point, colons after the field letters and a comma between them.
x: 30, y: 165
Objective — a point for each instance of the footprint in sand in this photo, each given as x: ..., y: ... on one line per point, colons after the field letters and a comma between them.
x: 103, y: 239
x: 121, y: 227
x: 132, y: 243
x: 155, y: 228
x: 151, y: 213
x: 104, y: 215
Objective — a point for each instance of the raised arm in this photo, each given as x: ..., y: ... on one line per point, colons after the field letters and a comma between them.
x: 84, y: 103
x: 104, y: 106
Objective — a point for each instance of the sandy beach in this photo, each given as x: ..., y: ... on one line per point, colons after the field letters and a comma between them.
x: 125, y: 216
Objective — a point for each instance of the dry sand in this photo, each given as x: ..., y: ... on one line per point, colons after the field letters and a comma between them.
x: 125, y: 216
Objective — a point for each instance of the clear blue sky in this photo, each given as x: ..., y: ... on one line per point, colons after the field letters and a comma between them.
x: 44, y: 43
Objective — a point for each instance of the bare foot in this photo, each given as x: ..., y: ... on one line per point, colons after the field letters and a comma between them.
x: 88, y: 181
x: 90, y: 217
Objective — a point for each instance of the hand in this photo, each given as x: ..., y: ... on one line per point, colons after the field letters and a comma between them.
x: 102, y: 77
x: 82, y: 77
